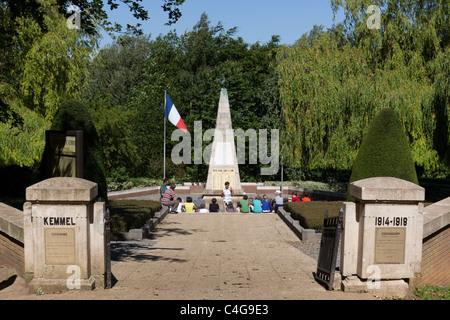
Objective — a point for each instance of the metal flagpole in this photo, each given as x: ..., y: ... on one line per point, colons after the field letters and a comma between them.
x: 282, y: 165
x: 165, y: 95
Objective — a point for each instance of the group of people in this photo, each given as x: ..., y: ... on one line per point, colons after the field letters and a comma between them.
x: 252, y: 205
x: 258, y: 204
x: 248, y: 205
x: 175, y: 204
x: 245, y: 205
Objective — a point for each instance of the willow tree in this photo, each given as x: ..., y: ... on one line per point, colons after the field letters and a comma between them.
x: 327, y: 98
x: 47, y: 63
x: 332, y: 87
x: 412, y: 47
x: 43, y: 62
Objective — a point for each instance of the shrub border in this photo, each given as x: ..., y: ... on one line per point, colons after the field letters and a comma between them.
x: 302, y: 233
x: 142, y: 233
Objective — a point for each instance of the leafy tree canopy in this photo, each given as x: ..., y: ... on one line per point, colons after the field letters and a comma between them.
x: 95, y: 13
x: 333, y: 82
x: 189, y: 67
x: 43, y: 63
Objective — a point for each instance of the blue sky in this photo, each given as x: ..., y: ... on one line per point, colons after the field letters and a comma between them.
x: 257, y: 20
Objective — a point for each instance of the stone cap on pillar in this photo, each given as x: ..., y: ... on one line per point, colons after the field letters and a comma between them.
x: 62, y: 190
x: 387, y: 189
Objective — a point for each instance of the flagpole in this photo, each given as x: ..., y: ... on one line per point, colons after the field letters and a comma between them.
x: 165, y: 95
x: 282, y: 163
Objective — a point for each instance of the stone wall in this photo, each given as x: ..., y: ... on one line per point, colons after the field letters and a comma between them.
x: 248, y: 188
x: 11, y: 253
x: 436, y: 247
x: 11, y: 239
x: 436, y: 260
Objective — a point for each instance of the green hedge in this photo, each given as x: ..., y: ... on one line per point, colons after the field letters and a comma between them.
x: 310, y: 214
x: 131, y: 214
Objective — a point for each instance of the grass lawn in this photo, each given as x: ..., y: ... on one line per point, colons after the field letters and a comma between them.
x: 432, y: 293
x: 310, y: 214
x: 131, y: 214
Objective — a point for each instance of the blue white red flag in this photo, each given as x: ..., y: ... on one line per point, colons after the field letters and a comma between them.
x: 171, y: 113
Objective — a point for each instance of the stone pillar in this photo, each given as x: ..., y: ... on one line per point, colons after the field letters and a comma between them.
x: 382, y: 236
x: 64, y: 236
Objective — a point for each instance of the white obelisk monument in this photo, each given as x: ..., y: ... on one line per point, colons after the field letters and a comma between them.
x: 223, y: 165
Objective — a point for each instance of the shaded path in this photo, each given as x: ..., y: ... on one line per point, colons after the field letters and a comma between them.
x: 214, y: 257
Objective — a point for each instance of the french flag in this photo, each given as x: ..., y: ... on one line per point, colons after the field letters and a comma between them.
x: 171, y: 113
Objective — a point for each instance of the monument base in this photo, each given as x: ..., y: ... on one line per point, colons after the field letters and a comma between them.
x: 207, y: 197
x: 60, y: 285
x: 218, y: 193
x: 381, y: 288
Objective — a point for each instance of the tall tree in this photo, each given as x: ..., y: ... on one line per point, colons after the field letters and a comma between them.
x: 94, y: 12
x: 332, y: 84
x: 43, y: 62
x: 114, y: 74
x: 43, y: 65
x: 189, y: 67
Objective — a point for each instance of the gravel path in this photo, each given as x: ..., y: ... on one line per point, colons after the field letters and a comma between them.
x: 312, y: 249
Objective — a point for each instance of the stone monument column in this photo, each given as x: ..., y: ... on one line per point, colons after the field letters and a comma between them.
x: 381, y: 245
x: 64, y: 236
x: 223, y: 165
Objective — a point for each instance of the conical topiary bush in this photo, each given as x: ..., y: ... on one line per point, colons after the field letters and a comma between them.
x: 384, y: 151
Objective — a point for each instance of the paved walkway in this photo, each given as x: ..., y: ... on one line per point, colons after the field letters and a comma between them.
x: 213, y: 257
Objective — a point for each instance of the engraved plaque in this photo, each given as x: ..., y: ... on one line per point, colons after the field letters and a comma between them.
x: 390, y: 245
x: 59, y: 246
x: 220, y: 176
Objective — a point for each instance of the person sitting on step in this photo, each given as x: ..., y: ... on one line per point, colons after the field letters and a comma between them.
x: 257, y: 205
x: 244, y: 205
x: 203, y: 209
x: 227, y: 193
x: 266, y: 205
x: 279, y: 201
x: 230, y: 207
x: 189, y: 206
x: 306, y: 196
x: 214, y: 207
x: 168, y: 199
